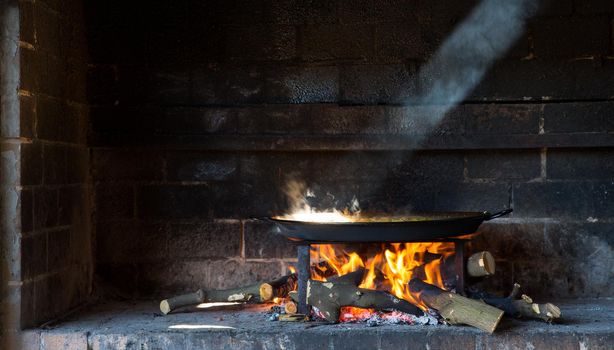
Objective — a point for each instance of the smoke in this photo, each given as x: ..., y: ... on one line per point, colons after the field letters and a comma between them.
x: 458, y: 66
x: 463, y: 59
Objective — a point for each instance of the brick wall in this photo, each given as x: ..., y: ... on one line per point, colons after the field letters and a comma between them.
x: 56, y: 260
x: 202, y: 110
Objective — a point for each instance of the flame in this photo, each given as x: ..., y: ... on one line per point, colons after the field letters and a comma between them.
x: 395, y: 264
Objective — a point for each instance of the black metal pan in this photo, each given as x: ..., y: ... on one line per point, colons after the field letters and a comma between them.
x: 415, y: 228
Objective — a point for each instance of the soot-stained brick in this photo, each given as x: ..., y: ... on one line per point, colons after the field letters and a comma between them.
x: 262, y: 243
x: 27, y: 203
x: 300, y: 12
x: 585, y: 164
x: 55, y: 121
x: 131, y: 241
x: 59, y: 249
x: 577, y: 117
x: 54, y: 164
x: 122, y: 277
x: 31, y: 163
x: 350, y: 119
x: 34, y: 256
x: 302, y: 84
x: 217, y: 239
x: 27, y: 116
x: 278, y: 120
x: 504, y: 165
x: 77, y: 164
x: 196, y: 166
x: 426, y: 120
x: 399, y: 40
x: 564, y: 37
x: 512, y: 241
x: 499, y: 119
x: 337, y: 41
x: 420, y: 167
x: 116, y: 165
x: 545, y: 79
x: 114, y: 201
x: 231, y: 273
x: 172, y: 201
x: 370, y: 84
x: 102, y: 84
x: 552, y: 200
x: 261, y: 42
x: 45, y: 208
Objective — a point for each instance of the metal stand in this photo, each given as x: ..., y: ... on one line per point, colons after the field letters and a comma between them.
x: 304, y: 272
x: 459, y: 266
x: 303, y: 276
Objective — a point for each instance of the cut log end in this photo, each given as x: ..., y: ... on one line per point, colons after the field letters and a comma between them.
x: 481, y: 264
x: 290, y: 307
x: 165, y: 307
x: 266, y: 292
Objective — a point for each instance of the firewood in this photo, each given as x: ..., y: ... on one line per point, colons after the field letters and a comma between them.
x: 478, y: 265
x: 261, y: 292
x: 278, y: 288
x: 455, y: 308
x: 341, y: 291
x: 290, y: 307
x: 523, y: 307
x: 481, y: 264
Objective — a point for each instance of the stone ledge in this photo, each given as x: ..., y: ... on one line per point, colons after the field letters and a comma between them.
x: 588, y: 324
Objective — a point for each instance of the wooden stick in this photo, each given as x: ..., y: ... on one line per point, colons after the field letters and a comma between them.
x: 455, y: 308
x: 523, y: 307
x: 278, y: 288
x: 256, y: 293
x: 481, y: 264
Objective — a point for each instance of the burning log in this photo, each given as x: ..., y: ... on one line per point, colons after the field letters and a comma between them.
x: 341, y: 291
x: 478, y: 265
x: 523, y: 307
x: 455, y: 308
x: 256, y: 293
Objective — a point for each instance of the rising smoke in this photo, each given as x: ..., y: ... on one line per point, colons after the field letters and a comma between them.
x: 459, y: 65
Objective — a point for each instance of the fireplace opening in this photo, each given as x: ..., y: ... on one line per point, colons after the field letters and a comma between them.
x: 299, y: 174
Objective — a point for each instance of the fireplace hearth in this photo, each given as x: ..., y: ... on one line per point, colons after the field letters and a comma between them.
x: 143, y: 143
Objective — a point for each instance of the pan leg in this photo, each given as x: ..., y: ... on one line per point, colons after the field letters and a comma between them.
x: 459, y: 258
x: 303, y: 276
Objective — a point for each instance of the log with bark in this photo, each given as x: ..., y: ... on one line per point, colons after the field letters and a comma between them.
x: 261, y: 292
x: 330, y: 296
x: 456, y: 309
x: 478, y: 265
x: 523, y: 307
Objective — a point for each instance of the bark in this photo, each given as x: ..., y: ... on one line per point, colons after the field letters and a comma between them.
x: 455, y: 308
x: 261, y: 292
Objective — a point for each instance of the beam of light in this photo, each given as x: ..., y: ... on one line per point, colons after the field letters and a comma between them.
x: 199, y: 326
x: 216, y: 304
x: 465, y: 57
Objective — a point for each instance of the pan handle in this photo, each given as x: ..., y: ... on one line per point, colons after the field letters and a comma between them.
x: 489, y: 216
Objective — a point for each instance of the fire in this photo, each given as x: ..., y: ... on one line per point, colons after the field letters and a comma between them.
x: 309, y: 215
x: 390, y: 269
